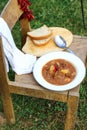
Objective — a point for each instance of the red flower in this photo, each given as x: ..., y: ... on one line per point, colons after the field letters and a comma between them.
x: 24, y: 7
x: 26, y: 2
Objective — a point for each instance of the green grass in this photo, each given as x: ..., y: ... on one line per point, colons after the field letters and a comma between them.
x: 38, y: 114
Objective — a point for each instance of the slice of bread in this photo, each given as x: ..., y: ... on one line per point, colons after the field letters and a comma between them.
x: 41, y: 42
x: 40, y: 33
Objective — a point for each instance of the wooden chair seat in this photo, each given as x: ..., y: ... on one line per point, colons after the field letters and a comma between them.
x: 26, y: 84
x: 38, y: 91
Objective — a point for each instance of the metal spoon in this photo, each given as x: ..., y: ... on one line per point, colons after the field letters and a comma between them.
x: 60, y: 42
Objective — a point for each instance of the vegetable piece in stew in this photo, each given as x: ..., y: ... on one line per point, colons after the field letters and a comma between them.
x: 58, y: 72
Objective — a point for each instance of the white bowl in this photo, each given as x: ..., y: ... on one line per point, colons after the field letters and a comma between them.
x: 76, y: 61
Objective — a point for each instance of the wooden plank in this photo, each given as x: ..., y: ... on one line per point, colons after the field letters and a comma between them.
x: 72, y: 106
x: 5, y: 94
x: 79, y: 46
x: 11, y: 13
x: 74, y: 91
x: 25, y: 27
x: 26, y: 85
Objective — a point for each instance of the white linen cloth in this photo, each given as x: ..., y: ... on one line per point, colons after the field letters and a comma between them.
x: 21, y: 63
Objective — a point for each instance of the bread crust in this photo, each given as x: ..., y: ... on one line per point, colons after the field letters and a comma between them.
x: 42, y: 41
x: 41, y: 33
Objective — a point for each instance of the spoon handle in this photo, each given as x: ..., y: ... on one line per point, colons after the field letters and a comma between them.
x: 69, y: 50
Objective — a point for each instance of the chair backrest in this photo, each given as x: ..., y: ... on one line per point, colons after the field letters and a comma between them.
x: 11, y: 14
x: 3, y: 73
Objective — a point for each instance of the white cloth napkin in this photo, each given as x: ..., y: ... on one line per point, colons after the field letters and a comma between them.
x: 21, y: 63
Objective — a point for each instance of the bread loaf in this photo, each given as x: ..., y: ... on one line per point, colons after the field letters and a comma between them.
x: 41, y: 33
x: 41, y: 42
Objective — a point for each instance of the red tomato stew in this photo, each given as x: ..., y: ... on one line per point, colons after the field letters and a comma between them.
x: 58, y: 72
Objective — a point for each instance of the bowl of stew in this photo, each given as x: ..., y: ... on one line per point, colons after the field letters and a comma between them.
x: 59, y: 71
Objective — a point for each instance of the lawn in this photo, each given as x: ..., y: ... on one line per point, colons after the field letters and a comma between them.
x: 39, y: 114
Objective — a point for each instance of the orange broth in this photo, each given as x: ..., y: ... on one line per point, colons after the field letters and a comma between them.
x: 58, y: 72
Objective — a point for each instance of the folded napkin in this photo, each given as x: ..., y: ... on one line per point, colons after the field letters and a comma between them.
x: 21, y: 63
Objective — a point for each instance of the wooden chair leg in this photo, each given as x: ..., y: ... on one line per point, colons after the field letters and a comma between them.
x: 8, y: 108
x: 72, y: 107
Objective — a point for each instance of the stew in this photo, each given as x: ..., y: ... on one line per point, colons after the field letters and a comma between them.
x: 58, y: 72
